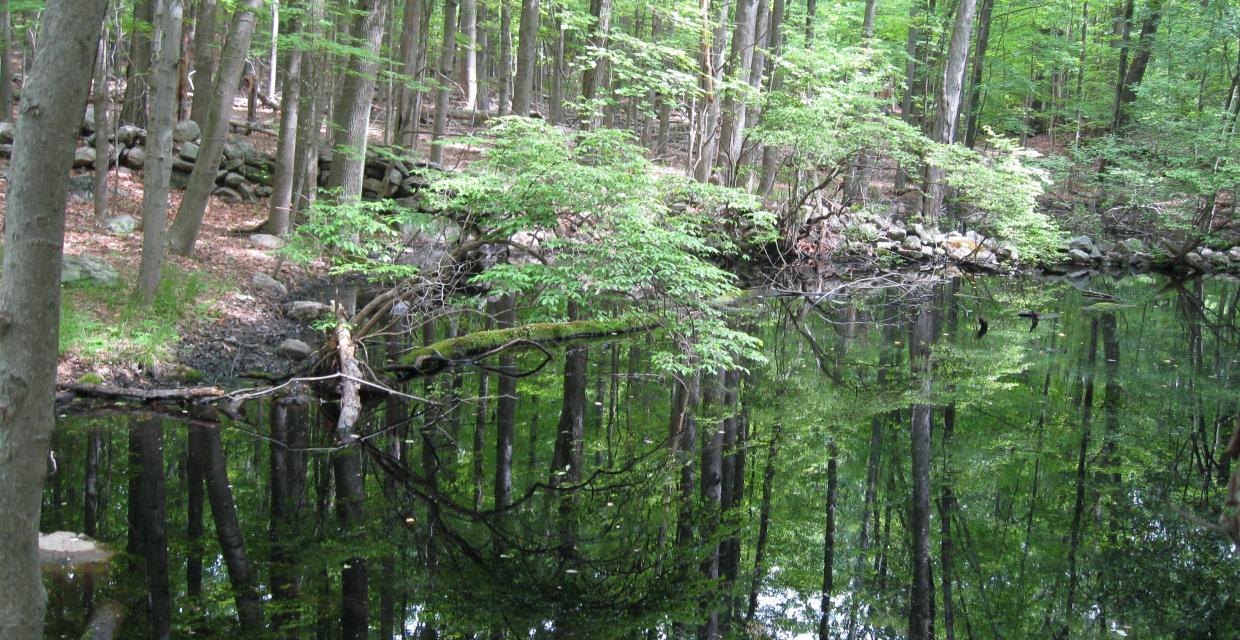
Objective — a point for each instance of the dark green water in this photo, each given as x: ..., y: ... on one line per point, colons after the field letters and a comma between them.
x: 1054, y: 466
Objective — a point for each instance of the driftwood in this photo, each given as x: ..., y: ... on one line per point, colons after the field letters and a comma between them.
x: 434, y: 358
x: 350, y: 387
x: 141, y: 395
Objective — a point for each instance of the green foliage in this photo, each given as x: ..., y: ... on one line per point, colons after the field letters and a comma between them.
x: 105, y: 324
x: 615, y: 237
x: 355, y: 237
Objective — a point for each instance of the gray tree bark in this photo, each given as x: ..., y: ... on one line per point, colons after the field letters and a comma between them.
x: 410, y: 47
x: 593, y: 75
x: 740, y: 58
x: 444, y: 89
x: 166, y: 44
x: 951, y: 89
x: 204, y: 61
x: 505, y: 57
x: 53, y: 100
x: 6, y: 66
x: 133, y: 110
x: 184, y: 232
x: 469, y: 51
x: 527, y: 52
x: 286, y: 147
x: 102, y: 102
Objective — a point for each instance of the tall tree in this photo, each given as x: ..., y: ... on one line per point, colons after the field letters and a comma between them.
x: 595, y: 73
x: 286, y: 146
x: 739, y: 61
x: 979, y: 60
x: 527, y: 58
x: 951, y: 89
x: 166, y: 44
x: 137, y: 80
x: 204, y: 61
x: 469, y: 51
x: 411, y: 47
x: 53, y: 100
x: 443, y: 81
x: 1135, y: 72
x: 184, y: 232
x: 6, y: 62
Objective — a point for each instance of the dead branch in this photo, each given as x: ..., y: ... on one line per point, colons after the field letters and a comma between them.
x: 350, y: 388
x: 142, y: 395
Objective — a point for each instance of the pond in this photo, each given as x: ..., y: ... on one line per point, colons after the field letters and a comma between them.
x: 933, y: 454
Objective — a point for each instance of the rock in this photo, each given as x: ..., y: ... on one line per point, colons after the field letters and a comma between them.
x: 1082, y: 243
x: 186, y: 131
x: 239, y: 149
x: 897, y: 233
x: 916, y: 229
x: 268, y: 285
x: 267, y: 241
x: 67, y: 548
x: 867, y: 230
x: 129, y: 135
x: 1132, y: 245
x: 82, y: 188
x: 88, y: 119
x: 305, y: 310
x: 228, y: 195
x: 182, y: 165
x: 912, y: 243
x: 887, y: 245
x: 294, y: 349
x: 1079, y: 256
x: 959, y: 248
x: 263, y: 191
x: 178, y: 179
x: 8, y: 131
x: 189, y: 151
x: 1220, y: 260
x: 84, y: 157
x: 927, y: 251
x: 234, y: 181
x: 1197, y: 262
x: 379, y: 188
x: 135, y: 158
x: 86, y: 267
x: 1206, y: 252
x: 121, y: 225
x: 1234, y: 254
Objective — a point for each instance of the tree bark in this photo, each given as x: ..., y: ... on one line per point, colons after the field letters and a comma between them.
x: 764, y: 524
x: 352, y: 109
x: 133, y: 109
x: 593, y: 75
x: 166, y: 44
x: 505, y: 411
x: 775, y: 44
x: 228, y: 531
x: 828, y: 547
x: 951, y: 89
x: 410, y: 49
x: 53, y: 100
x: 469, y: 52
x: 286, y: 147
x: 443, y: 89
x: 505, y: 57
x: 102, y: 101
x: 6, y: 62
x: 975, y: 83
x: 921, y: 618
x: 184, y: 232
x: 527, y: 53
x: 204, y: 62
x: 1140, y: 62
x: 1078, y: 511
x: 740, y: 59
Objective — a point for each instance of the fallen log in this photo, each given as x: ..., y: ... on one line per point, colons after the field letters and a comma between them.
x: 434, y: 358
x: 142, y: 395
x: 350, y: 387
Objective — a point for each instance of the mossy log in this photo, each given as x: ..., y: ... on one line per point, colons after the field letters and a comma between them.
x: 434, y: 358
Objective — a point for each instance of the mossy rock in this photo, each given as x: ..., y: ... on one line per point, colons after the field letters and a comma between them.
x: 90, y: 378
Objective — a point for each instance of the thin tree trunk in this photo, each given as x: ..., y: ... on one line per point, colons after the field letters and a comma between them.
x: 1125, y: 40
x: 979, y: 61
x: 166, y: 43
x: 764, y: 524
x: 828, y: 548
x: 286, y: 147
x: 921, y: 617
x: 102, y: 102
x: 951, y: 90
x: 740, y: 59
x: 137, y: 81
x: 275, y: 41
x: 469, y: 52
x: 593, y: 75
x: 947, y: 506
x: 204, y: 62
x: 505, y: 57
x: 410, y: 48
x: 1078, y: 511
x: 1140, y: 62
x: 505, y: 410
x: 184, y: 232
x: 443, y: 90
x: 6, y: 62
x: 151, y: 508
x: 775, y: 43
x: 811, y: 15
x: 352, y: 112
x: 527, y: 53
x: 53, y: 100
x: 228, y: 531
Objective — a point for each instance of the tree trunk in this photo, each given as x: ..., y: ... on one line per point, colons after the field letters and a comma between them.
x: 951, y: 90
x: 828, y: 548
x: 1125, y: 40
x: 482, y: 101
x: 6, y: 62
x: 166, y: 44
x: 204, y: 62
x: 505, y: 57
x: 103, y: 159
x: 443, y: 90
x: 133, y: 110
x: 184, y: 232
x: 352, y: 112
x: 947, y: 507
x: 811, y: 14
x: 775, y: 44
x: 1078, y: 511
x: 921, y: 618
x: 505, y: 410
x: 149, y: 505
x: 975, y: 83
x: 469, y: 52
x: 228, y: 531
x: 593, y: 76
x: 1140, y: 62
x: 286, y: 147
x: 275, y: 42
x: 527, y: 53
x: 764, y: 524
x: 410, y: 47
x: 309, y: 117
x: 740, y: 59
x: 53, y: 100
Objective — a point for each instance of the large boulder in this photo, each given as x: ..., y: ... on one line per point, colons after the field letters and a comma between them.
x: 1082, y: 243
x: 186, y: 131
x: 84, y: 157
x: 240, y: 149
x: 71, y: 549
x: 188, y: 152
x: 267, y: 241
x: 121, y: 225
x: 268, y: 285
x: 294, y: 349
x: 305, y: 310
x: 134, y: 158
x: 82, y: 268
x: 129, y: 135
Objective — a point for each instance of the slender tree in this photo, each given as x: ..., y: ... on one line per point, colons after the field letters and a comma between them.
x: 166, y: 43
x: 951, y: 89
x: 443, y: 89
x: 53, y: 100
x: 527, y: 54
x: 137, y: 75
x: 184, y: 232
x: 286, y: 147
x: 6, y: 62
x: 204, y: 61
